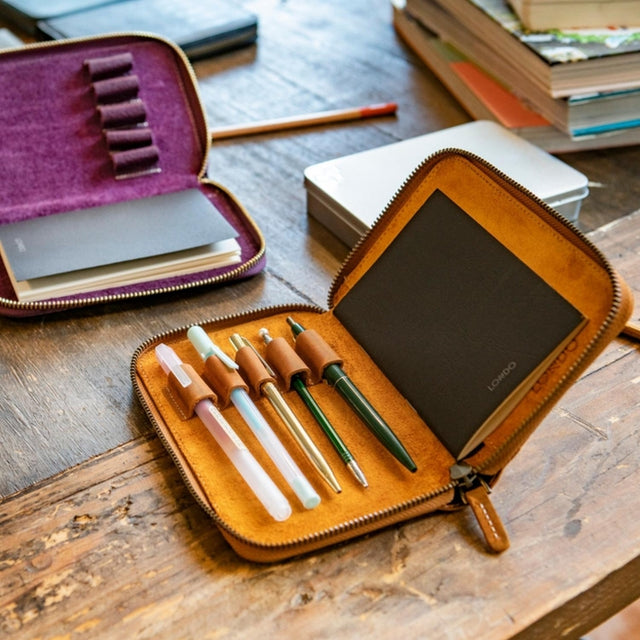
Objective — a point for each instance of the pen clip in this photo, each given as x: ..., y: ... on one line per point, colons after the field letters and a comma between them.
x: 228, y: 362
x: 171, y: 363
x: 206, y: 347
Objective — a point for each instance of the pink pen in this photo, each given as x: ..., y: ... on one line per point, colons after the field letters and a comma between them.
x: 253, y: 474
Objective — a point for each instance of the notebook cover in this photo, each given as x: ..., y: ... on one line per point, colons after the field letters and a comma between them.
x: 446, y: 310
x: 112, y: 233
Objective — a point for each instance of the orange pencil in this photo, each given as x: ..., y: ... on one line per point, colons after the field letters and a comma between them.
x: 311, y: 119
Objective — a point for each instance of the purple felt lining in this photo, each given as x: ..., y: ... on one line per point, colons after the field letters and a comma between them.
x: 122, y: 114
x: 53, y: 153
x: 130, y: 159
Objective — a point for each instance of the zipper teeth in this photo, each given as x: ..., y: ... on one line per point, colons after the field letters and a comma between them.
x: 154, y: 422
x: 220, y: 319
x: 503, y: 450
x: 356, y: 523
x: 559, y: 223
x: 520, y: 192
x: 50, y: 305
x: 81, y: 302
x: 341, y: 528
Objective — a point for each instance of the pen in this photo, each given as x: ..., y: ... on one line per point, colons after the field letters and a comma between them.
x: 288, y: 417
x: 300, y: 387
x: 311, y: 119
x: 337, y: 378
x: 254, y: 419
x: 253, y: 474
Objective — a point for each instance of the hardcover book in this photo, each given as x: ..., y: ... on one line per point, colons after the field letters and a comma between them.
x: 462, y: 326
x: 199, y: 28
x: 117, y: 244
x: 559, y: 125
x: 560, y: 63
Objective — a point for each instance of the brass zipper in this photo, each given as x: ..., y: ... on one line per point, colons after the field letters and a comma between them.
x: 470, y: 483
x: 560, y: 224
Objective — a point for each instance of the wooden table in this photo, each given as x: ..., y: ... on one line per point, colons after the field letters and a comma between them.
x: 100, y: 539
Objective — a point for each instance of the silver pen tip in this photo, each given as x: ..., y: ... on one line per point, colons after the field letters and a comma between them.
x: 357, y: 473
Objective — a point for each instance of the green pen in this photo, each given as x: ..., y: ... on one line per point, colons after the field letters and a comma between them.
x: 314, y: 408
x: 337, y: 378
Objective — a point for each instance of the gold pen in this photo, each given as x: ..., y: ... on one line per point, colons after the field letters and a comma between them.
x: 250, y: 361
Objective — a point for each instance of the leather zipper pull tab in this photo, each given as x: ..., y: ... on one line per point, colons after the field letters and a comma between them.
x: 474, y: 491
x: 494, y: 532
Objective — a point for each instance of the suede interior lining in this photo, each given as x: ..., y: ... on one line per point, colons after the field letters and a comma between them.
x: 520, y: 224
x: 521, y: 227
x: 390, y: 484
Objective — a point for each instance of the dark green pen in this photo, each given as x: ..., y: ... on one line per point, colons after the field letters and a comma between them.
x: 300, y: 387
x: 337, y: 378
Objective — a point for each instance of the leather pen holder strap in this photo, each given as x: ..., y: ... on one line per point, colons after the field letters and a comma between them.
x: 314, y: 350
x: 222, y: 380
x: 283, y: 358
x: 185, y: 399
x: 252, y: 369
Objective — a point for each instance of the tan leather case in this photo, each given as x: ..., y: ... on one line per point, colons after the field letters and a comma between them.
x: 553, y: 248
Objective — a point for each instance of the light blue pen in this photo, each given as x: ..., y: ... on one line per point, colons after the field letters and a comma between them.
x: 258, y: 425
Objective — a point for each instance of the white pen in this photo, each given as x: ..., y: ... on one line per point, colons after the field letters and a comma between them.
x: 254, y: 475
x: 257, y: 423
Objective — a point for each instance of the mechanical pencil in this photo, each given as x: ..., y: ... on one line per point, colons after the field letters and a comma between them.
x: 289, y: 418
x: 337, y: 442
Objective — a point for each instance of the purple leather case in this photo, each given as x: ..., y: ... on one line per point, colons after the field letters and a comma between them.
x: 90, y: 122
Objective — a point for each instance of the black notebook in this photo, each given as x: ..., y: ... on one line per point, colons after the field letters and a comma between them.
x: 457, y: 322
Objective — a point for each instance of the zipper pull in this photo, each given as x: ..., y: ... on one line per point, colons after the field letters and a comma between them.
x: 474, y: 491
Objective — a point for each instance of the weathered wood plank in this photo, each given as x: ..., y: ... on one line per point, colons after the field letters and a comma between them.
x: 118, y: 548
x: 65, y: 388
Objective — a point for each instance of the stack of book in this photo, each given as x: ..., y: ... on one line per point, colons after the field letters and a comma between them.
x: 562, y: 89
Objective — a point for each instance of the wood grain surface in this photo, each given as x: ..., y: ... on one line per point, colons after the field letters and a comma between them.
x: 117, y: 548
x: 100, y: 539
x: 64, y: 378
